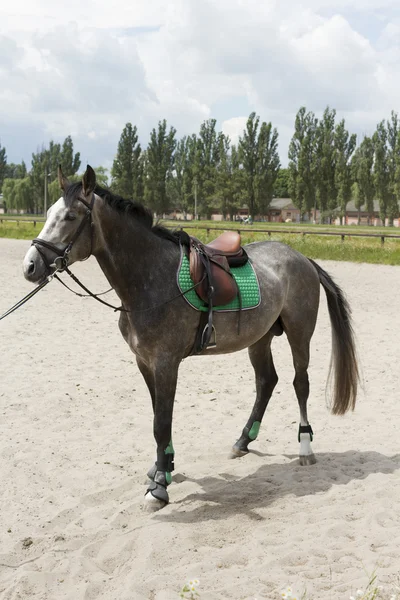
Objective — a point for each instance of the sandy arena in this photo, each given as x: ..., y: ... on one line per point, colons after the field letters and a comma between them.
x: 76, y: 442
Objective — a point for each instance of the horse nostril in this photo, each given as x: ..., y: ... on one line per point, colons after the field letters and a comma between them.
x: 31, y: 268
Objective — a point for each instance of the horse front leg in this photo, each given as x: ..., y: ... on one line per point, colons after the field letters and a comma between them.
x: 148, y: 376
x: 165, y: 378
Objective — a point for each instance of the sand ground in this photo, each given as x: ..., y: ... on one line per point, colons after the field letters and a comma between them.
x: 76, y: 442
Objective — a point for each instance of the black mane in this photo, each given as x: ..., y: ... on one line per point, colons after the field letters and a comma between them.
x: 134, y: 209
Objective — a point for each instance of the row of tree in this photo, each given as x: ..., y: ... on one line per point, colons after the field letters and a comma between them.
x: 24, y: 190
x: 327, y: 170
x: 205, y: 171
x: 202, y: 169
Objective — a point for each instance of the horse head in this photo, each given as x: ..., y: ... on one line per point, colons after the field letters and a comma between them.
x: 67, y: 234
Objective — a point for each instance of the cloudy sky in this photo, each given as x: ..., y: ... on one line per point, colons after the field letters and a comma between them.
x: 86, y: 67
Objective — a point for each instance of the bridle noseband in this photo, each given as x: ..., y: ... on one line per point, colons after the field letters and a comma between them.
x: 61, y: 261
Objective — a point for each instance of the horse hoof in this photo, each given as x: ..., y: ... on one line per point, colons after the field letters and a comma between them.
x: 307, y: 459
x: 151, y: 504
x: 237, y: 452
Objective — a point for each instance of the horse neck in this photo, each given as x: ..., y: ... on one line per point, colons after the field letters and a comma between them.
x: 131, y: 256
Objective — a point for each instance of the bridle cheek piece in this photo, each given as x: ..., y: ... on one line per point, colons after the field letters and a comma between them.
x: 60, y: 264
x: 61, y: 260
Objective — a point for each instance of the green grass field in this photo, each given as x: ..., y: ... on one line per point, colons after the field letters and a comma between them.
x: 19, y: 230
x: 354, y: 249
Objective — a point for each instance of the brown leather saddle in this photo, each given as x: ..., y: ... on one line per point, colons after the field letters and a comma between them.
x: 210, y: 271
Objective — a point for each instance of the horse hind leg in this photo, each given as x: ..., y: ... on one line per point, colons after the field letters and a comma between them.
x: 266, y: 380
x: 305, y: 436
x: 301, y: 359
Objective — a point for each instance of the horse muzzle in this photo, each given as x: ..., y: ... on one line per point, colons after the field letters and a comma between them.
x: 34, y: 267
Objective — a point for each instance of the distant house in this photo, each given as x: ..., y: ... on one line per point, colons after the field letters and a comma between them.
x: 2, y: 211
x: 176, y: 215
x: 366, y: 218
x: 282, y: 210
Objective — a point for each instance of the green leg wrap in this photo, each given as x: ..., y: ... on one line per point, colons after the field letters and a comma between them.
x: 255, y: 428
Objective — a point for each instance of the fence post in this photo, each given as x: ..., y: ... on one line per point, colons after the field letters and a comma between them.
x: 342, y: 236
x: 382, y: 239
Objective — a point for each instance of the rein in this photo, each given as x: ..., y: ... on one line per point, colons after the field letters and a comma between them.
x: 119, y: 308
x: 61, y: 261
x: 27, y: 297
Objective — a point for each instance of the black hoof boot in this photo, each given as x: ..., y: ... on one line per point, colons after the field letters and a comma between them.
x: 151, y: 473
x: 156, y: 495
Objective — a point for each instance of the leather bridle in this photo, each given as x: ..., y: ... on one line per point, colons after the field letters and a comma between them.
x: 61, y: 261
x: 62, y: 255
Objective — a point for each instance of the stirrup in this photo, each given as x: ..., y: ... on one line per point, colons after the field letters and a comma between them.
x: 213, y: 337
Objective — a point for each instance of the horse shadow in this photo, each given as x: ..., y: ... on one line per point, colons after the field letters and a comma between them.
x: 228, y: 494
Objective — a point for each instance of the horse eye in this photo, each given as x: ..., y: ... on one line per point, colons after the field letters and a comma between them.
x: 70, y: 216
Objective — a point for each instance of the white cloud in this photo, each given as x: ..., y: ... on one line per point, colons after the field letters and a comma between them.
x: 44, y: 15
x: 83, y: 68
x: 234, y: 128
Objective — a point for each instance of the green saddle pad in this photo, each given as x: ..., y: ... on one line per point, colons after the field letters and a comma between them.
x: 246, y: 279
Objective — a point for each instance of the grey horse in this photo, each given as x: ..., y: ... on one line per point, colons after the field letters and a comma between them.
x: 140, y: 261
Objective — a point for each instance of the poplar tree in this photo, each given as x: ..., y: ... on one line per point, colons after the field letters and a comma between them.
x: 127, y: 169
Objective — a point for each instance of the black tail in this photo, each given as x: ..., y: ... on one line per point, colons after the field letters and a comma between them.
x: 343, y: 367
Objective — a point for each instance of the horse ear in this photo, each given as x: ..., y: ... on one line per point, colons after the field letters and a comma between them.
x: 89, y: 181
x: 62, y: 180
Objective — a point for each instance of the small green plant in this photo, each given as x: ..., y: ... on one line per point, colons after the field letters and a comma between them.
x: 189, y: 590
x: 289, y: 594
x: 372, y: 591
x: 376, y: 592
